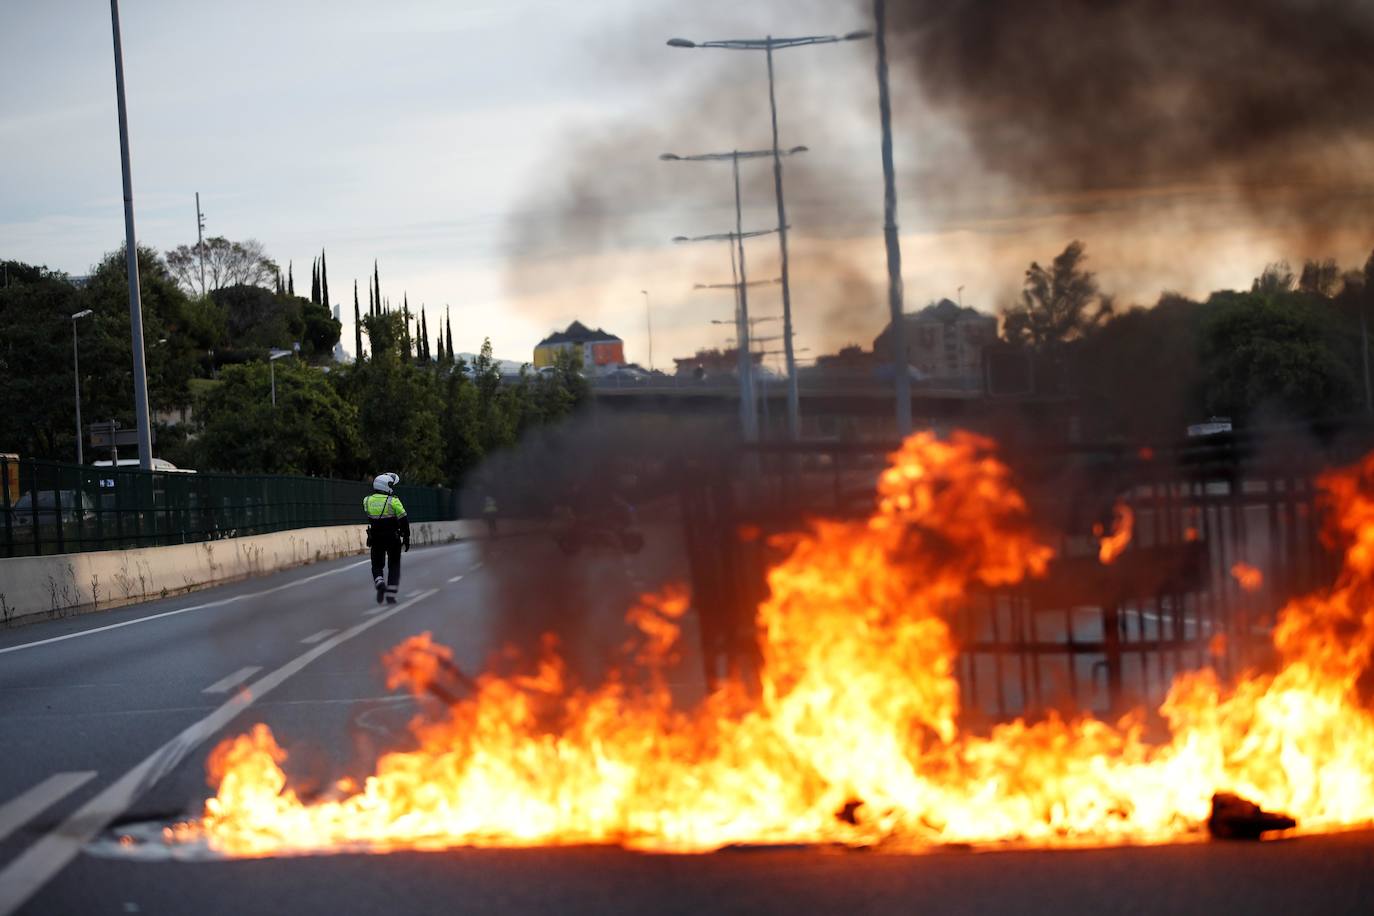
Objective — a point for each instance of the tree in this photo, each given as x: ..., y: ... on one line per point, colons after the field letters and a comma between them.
x: 399, y: 407
x: 357, y: 326
x: 315, y: 281
x: 312, y: 430
x: 1276, y: 278
x: 227, y: 263
x: 290, y: 281
x: 324, y: 281
x: 448, y: 333
x: 377, y: 286
x: 1320, y: 278
x: 1271, y: 353
x: 1058, y: 304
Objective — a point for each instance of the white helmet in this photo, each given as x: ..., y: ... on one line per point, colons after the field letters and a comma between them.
x: 383, y: 483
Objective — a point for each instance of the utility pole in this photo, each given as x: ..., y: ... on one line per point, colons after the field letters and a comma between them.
x: 897, y: 340
x: 200, y: 243
x: 140, y: 369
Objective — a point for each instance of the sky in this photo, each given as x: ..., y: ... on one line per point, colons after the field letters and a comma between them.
x: 498, y: 160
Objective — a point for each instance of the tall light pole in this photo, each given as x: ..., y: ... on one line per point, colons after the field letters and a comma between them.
x: 76, y: 375
x: 200, y: 243
x: 140, y: 369
x: 897, y: 341
x: 768, y: 45
x: 272, y: 357
x: 649, y: 327
x: 748, y: 417
x: 733, y: 157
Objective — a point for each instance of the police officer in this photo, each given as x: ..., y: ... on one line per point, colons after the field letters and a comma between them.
x: 388, y: 530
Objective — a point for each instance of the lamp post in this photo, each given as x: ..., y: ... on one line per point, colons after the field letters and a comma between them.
x: 76, y: 375
x: 768, y: 45
x: 901, y: 374
x: 733, y: 157
x: 649, y: 327
x: 140, y: 369
x: 272, y: 357
x: 748, y: 417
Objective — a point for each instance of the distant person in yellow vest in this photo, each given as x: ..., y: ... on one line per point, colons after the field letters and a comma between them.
x: 388, y: 530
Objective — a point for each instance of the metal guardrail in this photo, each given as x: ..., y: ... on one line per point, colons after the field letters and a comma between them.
x: 50, y: 508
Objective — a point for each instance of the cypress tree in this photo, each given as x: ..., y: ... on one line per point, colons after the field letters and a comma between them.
x: 424, y: 337
x: 315, y: 282
x: 290, y: 280
x: 357, y: 327
x: 324, y: 281
x: 448, y: 332
x: 405, y: 323
x: 377, y: 284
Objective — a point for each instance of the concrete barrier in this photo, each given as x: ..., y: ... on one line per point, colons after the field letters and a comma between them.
x: 73, y: 582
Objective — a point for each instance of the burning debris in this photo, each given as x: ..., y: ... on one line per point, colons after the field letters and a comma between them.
x: 1234, y: 818
x: 852, y: 736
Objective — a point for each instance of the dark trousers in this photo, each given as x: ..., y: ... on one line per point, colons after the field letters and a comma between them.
x: 387, y: 555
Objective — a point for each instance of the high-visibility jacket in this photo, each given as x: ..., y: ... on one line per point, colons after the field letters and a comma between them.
x: 386, y: 518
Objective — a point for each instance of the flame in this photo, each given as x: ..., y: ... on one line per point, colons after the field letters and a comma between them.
x: 1249, y: 577
x: 1110, y: 546
x: 851, y: 735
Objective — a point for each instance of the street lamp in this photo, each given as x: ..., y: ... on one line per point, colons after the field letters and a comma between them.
x: 742, y: 294
x: 140, y: 369
x: 272, y: 356
x: 748, y: 417
x: 768, y: 45
x: 76, y: 374
x: 649, y: 325
x: 773, y: 282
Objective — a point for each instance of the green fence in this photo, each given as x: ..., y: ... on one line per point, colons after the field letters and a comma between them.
x: 54, y: 508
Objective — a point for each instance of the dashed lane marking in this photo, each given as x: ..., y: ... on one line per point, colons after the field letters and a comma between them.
x: 226, y: 684
x: 183, y: 610
x: 17, y: 812
x: 318, y: 637
x: 456, y: 579
x: 38, y: 864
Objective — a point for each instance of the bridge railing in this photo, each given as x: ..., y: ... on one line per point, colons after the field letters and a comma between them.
x: 48, y: 507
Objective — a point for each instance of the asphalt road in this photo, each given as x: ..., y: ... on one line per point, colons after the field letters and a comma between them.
x: 107, y: 719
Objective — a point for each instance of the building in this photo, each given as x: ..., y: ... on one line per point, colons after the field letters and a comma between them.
x: 712, y: 363
x: 598, y: 351
x: 943, y: 341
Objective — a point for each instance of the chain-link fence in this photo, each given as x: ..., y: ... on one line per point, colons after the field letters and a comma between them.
x: 51, y: 508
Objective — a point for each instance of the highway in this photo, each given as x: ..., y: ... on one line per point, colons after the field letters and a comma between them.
x: 106, y: 720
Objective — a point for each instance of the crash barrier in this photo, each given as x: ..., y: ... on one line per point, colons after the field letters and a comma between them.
x: 1223, y: 534
x: 51, y: 508
x: 53, y: 586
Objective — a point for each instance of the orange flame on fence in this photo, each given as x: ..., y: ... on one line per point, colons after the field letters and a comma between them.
x: 1110, y: 546
x: 1249, y: 577
x: 852, y: 737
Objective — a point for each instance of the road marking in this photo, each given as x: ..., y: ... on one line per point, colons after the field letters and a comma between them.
x: 17, y: 812
x: 226, y: 684
x: 183, y: 610
x: 318, y: 637
x: 412, y: 593
x: 37, y: 865
x: 455, y: 579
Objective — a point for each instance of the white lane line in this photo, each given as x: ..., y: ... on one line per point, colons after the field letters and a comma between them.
x: 226, y: 684
x: 318, y: 637
x: 37, y: 865
x: 17, y: 812
x: 456, y: 579
x: 183, y: 610
x: 412, y: 593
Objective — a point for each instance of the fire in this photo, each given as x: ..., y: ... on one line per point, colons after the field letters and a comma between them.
x: 1110, y: 546
x: 851, y: 736
x: 1249, y: 578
